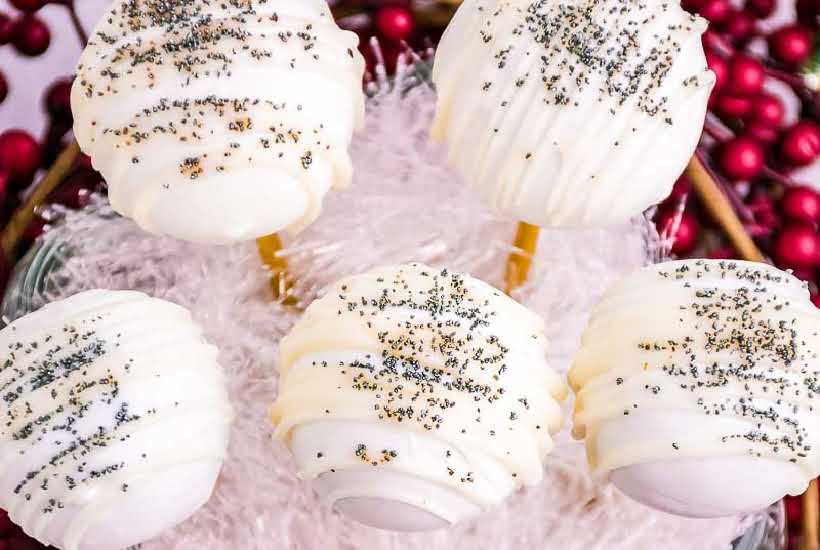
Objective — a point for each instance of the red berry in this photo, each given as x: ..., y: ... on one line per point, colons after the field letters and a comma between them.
x: 692, y: 6
x: 6, y: 29
x: 4, y: 88
x: 31, y: 36
x: 75, y: 191
x: 23, y: 542
x: 35, y: 229
x: 808, y: 13
x: 804, y: 273
x: 5, y: 184
x: 742, y: 158
x: 58, y: 99
x: 801, y: 204
x: 797, y: 246
x: 815, y: 299
x: 745, y: 75
x: 731, y: 106
x: 740, y: 26
x: 764, y: 133
x: 791, y: 45
x: 768, y: 109
x: 84, y: 161
x: 761, y: 8
x: 685, y: 238
x: 681, y: 190
x: 716, y: 11
x: 801, y: 143
x: 723, y: 253
x: 719, y: 66
x: 19, y: 155
x: 394, y: 22
x: 29, y: 6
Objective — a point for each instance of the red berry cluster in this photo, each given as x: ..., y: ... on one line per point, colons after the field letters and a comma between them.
x: 750, y: 150
x: 391, y: 22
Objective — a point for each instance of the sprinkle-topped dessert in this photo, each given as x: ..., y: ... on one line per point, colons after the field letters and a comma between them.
x: 415, y: 398
x: 697, y: 386
x: 571, y: 112
x: 115, y: 420
x: 219, y: 121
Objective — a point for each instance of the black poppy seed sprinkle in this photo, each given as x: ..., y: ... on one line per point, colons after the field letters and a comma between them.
x: 773, y: 374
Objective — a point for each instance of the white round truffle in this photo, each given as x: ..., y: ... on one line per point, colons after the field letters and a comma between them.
x: 115, y: 420
x: 697, y: 387
x: 414, y: 398
x: 219, y: 122
x: 571, y: 113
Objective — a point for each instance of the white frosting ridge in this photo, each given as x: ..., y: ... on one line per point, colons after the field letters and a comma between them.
x: 417, y: 386
x: 219, y: 121
x: 571, y: 112
x: 115, y: 420
x: 702, y: 362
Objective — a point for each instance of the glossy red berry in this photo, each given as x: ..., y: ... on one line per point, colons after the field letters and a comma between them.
x: 815, y: 299
x: 745, y: 75
x: 28, y: 6
x: 791, y: 45
x: 716, y: 11
x: 6, y: 29
x: 692, y: 6
x: 720, y: 67
x: 5, y: 185
x: 19, y: 155
x: 801, y: 143
x: 797, y: 246
x: 801, y: 204
x: 394, y: 22
x: 75, y: 191
x: 808, y: 13
x: 742, y: 158
x: 4, y: 88
x: 685, y: 238
x: 31, y: 36
x: 761, y: 8
x: 58, y: 99
x: 764, y: 133
x: 731, y: 106
x: 768, y: 109
x: 740, y: 26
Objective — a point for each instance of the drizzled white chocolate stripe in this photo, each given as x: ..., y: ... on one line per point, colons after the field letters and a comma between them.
x: 113, y: 406
x: 219, y: 121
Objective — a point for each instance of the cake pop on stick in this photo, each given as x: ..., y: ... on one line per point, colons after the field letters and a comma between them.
x: 414, y: 398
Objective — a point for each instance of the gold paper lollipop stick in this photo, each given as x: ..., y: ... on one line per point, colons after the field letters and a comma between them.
x: 811, y: 518
x: 269, y: 248
x: 520, y: 260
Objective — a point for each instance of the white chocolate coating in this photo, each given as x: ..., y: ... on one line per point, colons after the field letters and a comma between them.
x: 218, y: 121
x: 571, y: 113
x: 697, y: 387
x: 416, y: 398
x: 115, y: 420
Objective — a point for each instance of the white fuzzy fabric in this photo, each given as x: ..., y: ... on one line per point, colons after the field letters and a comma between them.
x: 405, y: 205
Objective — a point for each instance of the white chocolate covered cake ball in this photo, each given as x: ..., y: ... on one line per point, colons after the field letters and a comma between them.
x: 115, y: 420
x: 414, y: 398
x: 571, y: 113
x: 219, y: 121
x: 697, y: 387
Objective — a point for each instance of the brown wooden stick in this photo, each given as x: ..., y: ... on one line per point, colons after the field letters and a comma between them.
x: 24, y: 215
x: 721, y: 210
x: 811, y: 518
x: 520, y: 260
